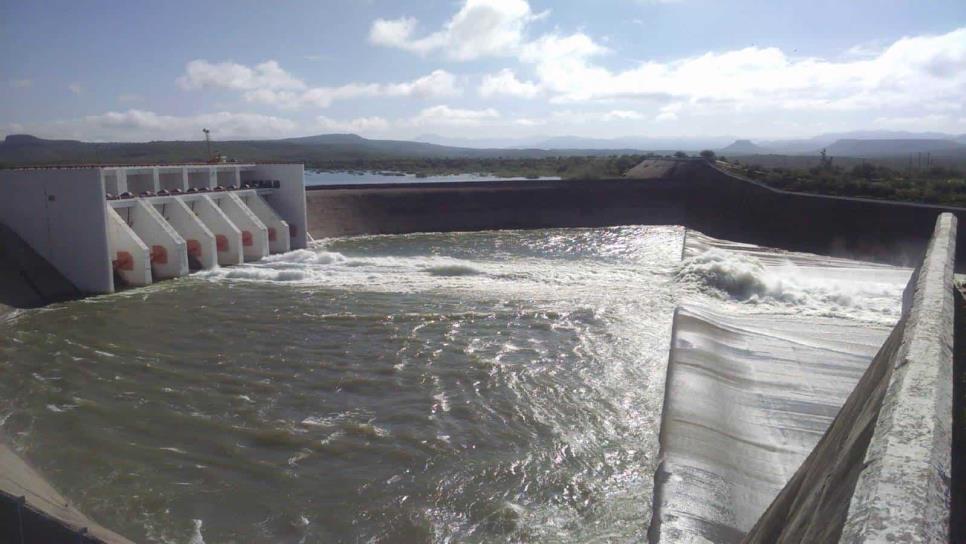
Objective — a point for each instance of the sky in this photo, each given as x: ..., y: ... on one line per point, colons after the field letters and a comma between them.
x: 137, y: 71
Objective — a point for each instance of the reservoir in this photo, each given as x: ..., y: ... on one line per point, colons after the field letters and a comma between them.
x: 463, y: 387
x: 315, y: 178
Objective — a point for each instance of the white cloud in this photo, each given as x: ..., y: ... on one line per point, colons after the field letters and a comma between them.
x: 75, y: 88
x: 669, y: 112
x: 201, y: 74
x: 436, y: 84
x: 912, y: 71
x: 556, y: 48
x: 358, y: 125
x: 141, y: 125
x: 445, y: 115
x: 480, y: 28
x: 623, y: 115
x: 937, y: 122
x: 505, y: 82
x: 268, y: 83
x: 397, y: 33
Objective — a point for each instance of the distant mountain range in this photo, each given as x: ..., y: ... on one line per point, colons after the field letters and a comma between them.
x: 24, y: 149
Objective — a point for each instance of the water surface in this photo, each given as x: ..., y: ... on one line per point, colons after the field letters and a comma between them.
x: 467, y: 387
x: 313, y: 177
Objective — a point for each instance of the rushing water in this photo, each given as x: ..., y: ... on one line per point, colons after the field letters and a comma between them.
x: 468, y: 387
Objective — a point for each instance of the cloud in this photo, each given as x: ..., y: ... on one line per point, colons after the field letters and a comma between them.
x: 505, y: 82
x: 201, y: 74
x: 75, y: 88
x: 21, y: 83
x: 936, y: 122
x: 909, y: 74
x: 141, y: 125
x: 576, y: 47
x: 480, y: 28
x: 669, y: 112
x: 268, y: 83
x: 358, y: 125
x: 911, y: 71
x: 623, y: 115
x: 436, y: 84
x: 445, y: 115
x: 127, y: 98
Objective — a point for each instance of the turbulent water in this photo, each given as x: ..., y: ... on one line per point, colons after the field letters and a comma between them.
x: 471, y: 387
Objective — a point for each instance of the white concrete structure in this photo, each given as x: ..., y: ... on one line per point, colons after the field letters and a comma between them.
x: 279, y: 240
x: 169, y: 255
x: 254, y: 234
x: 228, y: 240
x: 207, y: 214
x: 130, y: 257
x: 199, y: 240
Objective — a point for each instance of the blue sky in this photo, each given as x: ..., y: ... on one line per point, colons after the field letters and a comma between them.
x: 480, y: 68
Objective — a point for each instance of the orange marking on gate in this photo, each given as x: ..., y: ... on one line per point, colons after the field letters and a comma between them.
x: 159, y: 255
x: 194, y: 248
x: 124, y: 261
x: 221, y: 241
x: 246, y: 238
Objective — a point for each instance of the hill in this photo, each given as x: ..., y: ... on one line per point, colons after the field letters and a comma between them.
x: 22, y: 149
x: 744, y: 147
x: 883, y: 148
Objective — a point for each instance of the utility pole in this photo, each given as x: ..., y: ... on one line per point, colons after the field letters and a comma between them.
x: 207, y: 141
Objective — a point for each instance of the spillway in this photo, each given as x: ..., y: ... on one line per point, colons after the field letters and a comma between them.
x: 749, y: 394
x: 534, y: 385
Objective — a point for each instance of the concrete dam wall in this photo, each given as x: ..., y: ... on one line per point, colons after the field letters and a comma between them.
x: 691, y: 193
x: 877, y: 468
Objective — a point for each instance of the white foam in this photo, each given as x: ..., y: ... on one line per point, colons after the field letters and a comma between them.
x: 196, y: 536
x: 859, y: 292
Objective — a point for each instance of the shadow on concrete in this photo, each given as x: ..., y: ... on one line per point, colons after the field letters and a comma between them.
x: 27, y: 280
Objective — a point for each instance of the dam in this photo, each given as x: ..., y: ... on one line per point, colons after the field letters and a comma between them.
x: 105, y: 227
x: 536, y: 383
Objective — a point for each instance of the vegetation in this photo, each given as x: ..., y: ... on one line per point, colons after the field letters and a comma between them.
x: 934, y: 185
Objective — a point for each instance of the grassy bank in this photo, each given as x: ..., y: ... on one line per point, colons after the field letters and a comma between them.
x: 934, y: 185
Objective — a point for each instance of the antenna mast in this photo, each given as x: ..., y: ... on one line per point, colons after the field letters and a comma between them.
x: 207, y: 141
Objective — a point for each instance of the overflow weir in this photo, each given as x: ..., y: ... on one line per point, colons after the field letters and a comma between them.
x: 883, y: 471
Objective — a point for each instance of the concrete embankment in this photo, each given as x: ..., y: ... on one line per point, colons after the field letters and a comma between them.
x: 33, y: 511
x: 882, y: 471
x: 689, y: 193
x: 746, y: 401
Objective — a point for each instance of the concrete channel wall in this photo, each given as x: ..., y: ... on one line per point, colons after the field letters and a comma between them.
x: 882, y: 471
x: 691, y: 193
